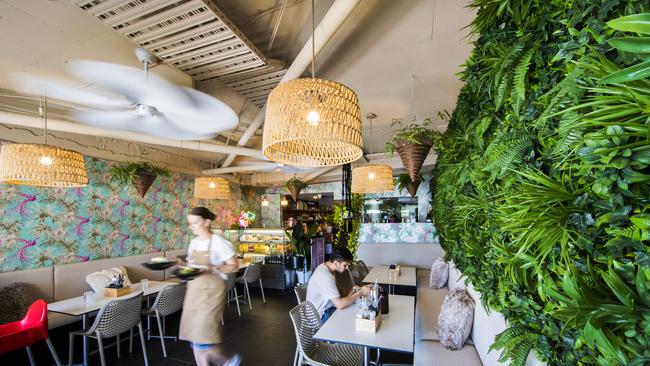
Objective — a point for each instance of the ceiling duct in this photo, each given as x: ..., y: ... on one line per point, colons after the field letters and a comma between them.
x: 195, y: 37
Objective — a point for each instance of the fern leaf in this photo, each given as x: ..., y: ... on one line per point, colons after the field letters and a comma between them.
x: 518, y: 94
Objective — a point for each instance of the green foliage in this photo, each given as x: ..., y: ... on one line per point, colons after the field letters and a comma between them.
x: 339, y: 218
x: 126, y: 173
x: 403, y: 180
x: 412, y: 133
x: 296, y: 183
x: 542, y: 183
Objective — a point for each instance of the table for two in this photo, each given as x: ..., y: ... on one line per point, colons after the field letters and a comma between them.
x: 75, y: 306
x: 407, y: 277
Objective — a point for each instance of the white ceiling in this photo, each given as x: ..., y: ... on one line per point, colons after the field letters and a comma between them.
x: 377, y: 52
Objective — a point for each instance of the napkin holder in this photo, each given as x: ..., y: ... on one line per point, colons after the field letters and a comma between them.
x: 115, y: 292
x: 394, y: 272
x: 367, y: 325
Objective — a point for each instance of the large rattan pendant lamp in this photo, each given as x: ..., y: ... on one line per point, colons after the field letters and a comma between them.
x: 312, y: 122
x: 372, y: 178
x: 42, y: 165
x: 213, y: 188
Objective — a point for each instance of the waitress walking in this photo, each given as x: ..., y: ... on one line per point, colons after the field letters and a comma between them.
x: 205, y: 296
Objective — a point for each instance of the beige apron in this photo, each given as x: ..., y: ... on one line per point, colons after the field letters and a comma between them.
x: 204, y: 303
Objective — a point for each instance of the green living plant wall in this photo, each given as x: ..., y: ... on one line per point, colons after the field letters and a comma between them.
x: 543, y: 178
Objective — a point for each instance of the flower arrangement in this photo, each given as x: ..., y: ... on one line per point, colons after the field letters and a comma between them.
x: 246, y: 218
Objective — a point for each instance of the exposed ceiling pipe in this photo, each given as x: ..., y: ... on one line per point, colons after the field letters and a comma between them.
x: 64, y: 126
x: 240, y: 169
x: 335, y: 16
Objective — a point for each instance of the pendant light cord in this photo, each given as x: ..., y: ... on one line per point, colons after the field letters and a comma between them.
x: 371, y: 148
x: 313, y: 39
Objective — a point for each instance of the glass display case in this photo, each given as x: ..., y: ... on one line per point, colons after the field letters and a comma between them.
x: 390, y: 210
x: 269, y: 247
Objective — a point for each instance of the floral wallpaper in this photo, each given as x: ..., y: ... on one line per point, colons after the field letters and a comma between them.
x: 416, y: 232
x: 41, y: 227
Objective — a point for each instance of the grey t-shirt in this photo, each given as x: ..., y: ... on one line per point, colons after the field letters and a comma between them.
x: 322, y: 288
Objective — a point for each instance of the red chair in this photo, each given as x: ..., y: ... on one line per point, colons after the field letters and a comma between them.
x: 24, y: 333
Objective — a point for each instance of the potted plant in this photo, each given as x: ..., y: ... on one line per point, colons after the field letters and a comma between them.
x: 141, y: 175
x: 404, y: 182
x: 412, y: 141
x: 295, y: 185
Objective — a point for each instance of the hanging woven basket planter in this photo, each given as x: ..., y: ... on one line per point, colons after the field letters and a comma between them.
x: 412, y: 187
x: 294, y: 191
x: 413, y: 156
x: 143, y: 182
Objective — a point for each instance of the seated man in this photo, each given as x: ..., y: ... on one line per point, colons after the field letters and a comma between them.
x: 322, y: 291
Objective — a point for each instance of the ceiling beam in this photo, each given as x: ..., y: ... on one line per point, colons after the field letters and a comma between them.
x: 72, y: 127
x: 240, y: 169
x: 335, y: 16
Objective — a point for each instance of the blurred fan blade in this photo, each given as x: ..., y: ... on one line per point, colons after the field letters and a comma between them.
x: 209, y: 115
x: 132, y: 83
x: 63, y: 90
x: 155, y: 125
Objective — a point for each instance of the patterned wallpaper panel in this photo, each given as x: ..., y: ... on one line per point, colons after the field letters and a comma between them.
x: 41, y: 227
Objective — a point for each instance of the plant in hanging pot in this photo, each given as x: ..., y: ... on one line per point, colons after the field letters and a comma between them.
x: 294, y: 186
x: 412, y: 141
x: 404, y: 182
x: 141, y: 175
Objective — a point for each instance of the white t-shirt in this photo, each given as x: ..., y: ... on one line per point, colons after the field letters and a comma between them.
x: 322, y: 288
x: 221, y: 249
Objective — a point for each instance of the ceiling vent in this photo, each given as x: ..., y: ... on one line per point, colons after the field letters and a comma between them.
x: 195, y: 37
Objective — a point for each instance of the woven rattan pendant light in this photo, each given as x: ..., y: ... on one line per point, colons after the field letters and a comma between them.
x: 372, y: 178
x: 312, y: 122
x: 42, y: 165
x: 214, y: 188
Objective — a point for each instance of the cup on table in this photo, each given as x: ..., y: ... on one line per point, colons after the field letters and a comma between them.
x: 88, y: 298
x: 145, y: 283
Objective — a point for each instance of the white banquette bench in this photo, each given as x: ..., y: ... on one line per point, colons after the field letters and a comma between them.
x: 65, y: 281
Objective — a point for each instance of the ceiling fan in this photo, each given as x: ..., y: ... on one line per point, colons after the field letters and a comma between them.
x: 120, y: 97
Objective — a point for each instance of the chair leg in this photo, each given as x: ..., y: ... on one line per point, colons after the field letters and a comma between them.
x: 295, y: 358
x: 262, y: 289
x: 144, y: 346
x: 160, y: 331
x: 30, y: 355
x: 119, y: 354
x: 70, y: 349
x: 100, y: 345
x: 222, y: 323
x: 248, y: 295
x: 148, y: 329
x: 53, y: 352
x: 237, y: 300
x: 131, y: 340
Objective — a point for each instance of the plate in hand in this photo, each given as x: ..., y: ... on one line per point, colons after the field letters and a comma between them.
x: 186, y: 272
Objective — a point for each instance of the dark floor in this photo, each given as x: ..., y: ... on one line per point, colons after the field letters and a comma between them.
x: 263, y: 336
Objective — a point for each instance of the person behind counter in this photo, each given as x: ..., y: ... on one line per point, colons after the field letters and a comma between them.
x: 322, y: 290
x: 206, y: 294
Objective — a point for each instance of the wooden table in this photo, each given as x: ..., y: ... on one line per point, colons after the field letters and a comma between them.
x: 75, y: 306
x: 407, y: 277
x: 395, y: 333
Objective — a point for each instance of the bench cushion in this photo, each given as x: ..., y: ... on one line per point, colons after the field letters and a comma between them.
x: 430, y: 353
x: 427, y: 310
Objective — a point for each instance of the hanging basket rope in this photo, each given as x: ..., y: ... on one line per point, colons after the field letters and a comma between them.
x: 42, y: 165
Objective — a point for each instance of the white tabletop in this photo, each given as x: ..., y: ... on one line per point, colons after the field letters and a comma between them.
x: 75, y: 306
x: 395, y: 332
x: 407, y: 276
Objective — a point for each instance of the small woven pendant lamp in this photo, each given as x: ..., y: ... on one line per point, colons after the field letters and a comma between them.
x: 214, y: 188
x: 42, y: 165
x: 312, y: 122
x: 372, y: 178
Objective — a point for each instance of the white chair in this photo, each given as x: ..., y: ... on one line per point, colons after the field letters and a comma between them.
x: 252, y: 274
x: 232, y: 294
x: 301, y: 295
x: 306, y: 322
x: 168, y: 301
x: 114, y: 318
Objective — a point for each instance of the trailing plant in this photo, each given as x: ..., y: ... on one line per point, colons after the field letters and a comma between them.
x: 411, y: 132
x: 127, y: 173
x: 339, y: 218
x: 542, y: 182
x: 295, y: 183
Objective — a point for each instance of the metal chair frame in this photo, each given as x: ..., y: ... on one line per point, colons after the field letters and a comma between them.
x: 167, y: 302
x: 114, y: 318
x: 252, y: 273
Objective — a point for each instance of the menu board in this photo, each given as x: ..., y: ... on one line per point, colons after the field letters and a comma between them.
x: 317, y: 252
